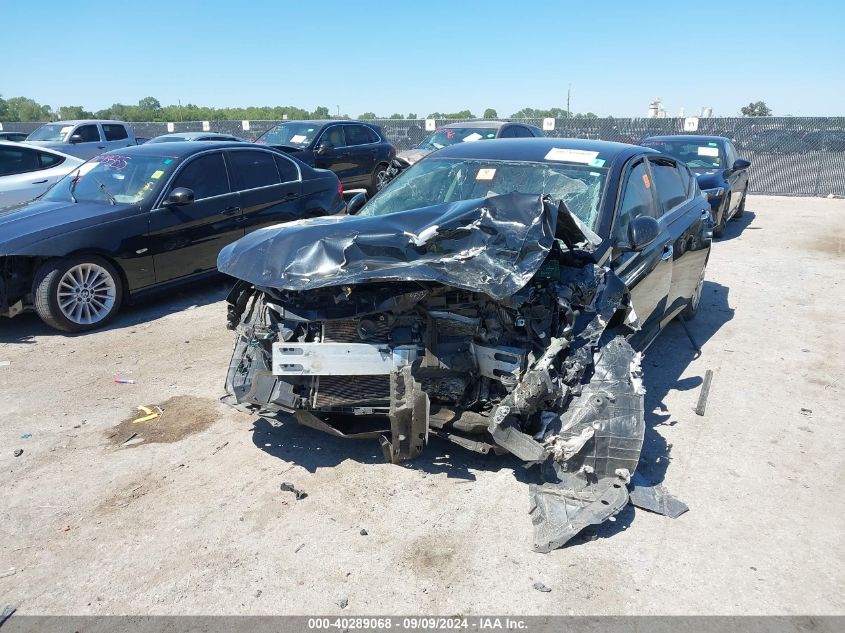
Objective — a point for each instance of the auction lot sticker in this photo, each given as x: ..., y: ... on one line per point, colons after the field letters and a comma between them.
x: 572, y: 155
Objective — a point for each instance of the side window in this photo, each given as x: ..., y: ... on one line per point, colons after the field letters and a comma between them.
x: 637, y: 200
x: 686, y: 178
x: 731, y: 154
x: 114, y: 132
x: 667, y: 180
x: 523, y: 132
x: 15, y: 160
x: 88, y: 133
x: 359, y: 135
x: 46, y: 160
x: 287, y: 170
x: 253, y: 169
x: 334, y: 136
x: 205, y: 176
x: 508, y: 132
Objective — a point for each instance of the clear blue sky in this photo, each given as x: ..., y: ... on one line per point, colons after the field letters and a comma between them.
x: 429, y: 56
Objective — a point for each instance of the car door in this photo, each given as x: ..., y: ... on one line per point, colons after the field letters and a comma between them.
x: 684, y: 214
x: 26, y: 173
x: 363, y: 151
x: 738, y: 180
x: 269, y: 186
x: 648, y: 272
x: 116, y: 136
x: 86, y: 141
x: 185, y: 240
x: 336, y: 157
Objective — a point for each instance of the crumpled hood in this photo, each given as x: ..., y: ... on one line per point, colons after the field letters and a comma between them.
x: 491, y: 245
x: 25, y: 224
x: 411, y: 156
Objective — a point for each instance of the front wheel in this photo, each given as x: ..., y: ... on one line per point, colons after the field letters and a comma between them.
x: 691, y: 309
x: 379, y: 180
x: 77, y: 294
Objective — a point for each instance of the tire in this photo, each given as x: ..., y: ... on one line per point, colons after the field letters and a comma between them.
x: 378, y: 180
x: 694, y: 302
x: 741, y: 208
x: 77, y: 294
x: 719, y: 229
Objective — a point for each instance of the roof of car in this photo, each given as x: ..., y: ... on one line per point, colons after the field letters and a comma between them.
x: 483, y: 124
x: 194, y: 135
x: 77, y: 121
x: 326, y: 121
x: 536, y: 149
x: 180, y: 149
x: 689, y: 137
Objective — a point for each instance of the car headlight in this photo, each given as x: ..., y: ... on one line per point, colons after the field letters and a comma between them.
x: 718, y: 192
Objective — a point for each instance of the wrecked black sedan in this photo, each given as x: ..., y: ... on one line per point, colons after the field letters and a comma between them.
x: 496, y: 295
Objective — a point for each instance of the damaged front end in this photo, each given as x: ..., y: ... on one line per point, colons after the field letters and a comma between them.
x: 488, y: 324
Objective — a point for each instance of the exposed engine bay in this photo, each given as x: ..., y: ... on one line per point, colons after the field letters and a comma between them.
x: 544, y: 373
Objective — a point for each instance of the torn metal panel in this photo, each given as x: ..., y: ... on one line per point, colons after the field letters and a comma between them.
x: 655, y: 498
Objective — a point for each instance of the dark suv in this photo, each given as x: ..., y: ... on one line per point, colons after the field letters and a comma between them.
x: 357, y: 152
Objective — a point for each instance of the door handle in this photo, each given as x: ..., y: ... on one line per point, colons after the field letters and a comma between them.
x: 289, y: 196
x: 230, y: 210
x: 101, y: 147
x: 39, y: 182
x: 667, y: 253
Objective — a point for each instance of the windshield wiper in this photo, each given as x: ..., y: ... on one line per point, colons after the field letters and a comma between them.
x: 72, y: 185
x: 102, y: 188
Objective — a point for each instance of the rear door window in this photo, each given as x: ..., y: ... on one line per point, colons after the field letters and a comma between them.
x: 287, y: 170
x: 205, y: 176
x: 46, y: 160
x: 251, y: 170
x: 334, y: 136
x: 359, y: 135
x: 14, y: 160
x: 637, y: 200
x: 670, y: 187
x: 88, y: 133
x: 114, y: 132
x: 508, y: 132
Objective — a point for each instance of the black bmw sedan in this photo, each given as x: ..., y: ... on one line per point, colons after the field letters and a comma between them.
x: 143, y: 217
x: 721, y: 174
x: 357, y: 151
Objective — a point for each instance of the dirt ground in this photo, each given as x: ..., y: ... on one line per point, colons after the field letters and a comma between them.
x: 187, y: 515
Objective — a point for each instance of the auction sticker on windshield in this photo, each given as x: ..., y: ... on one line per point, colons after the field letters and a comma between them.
x: 572, y: 155
x: 297, y: 138
x: 472, y: 137
x: 708, y: 151
x: 485, y: 174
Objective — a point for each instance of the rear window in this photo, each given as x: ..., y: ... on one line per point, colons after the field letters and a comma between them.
x: 114, y: 132
x: 253, y: 170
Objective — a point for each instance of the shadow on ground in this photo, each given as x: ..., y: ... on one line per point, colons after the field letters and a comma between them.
x: 665, y: 362
x: 25, y: 327
x: 736, y: 226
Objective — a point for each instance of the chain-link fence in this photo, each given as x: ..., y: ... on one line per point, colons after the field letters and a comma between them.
x: 794, y: 156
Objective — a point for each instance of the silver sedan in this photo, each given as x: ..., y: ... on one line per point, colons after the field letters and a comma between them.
x: 27, y: 171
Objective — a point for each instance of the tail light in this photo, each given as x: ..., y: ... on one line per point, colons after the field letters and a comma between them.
x: 339, y: 188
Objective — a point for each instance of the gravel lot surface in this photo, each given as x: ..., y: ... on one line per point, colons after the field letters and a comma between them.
x: 188, y: 516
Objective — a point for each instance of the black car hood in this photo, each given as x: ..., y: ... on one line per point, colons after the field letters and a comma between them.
x: 26, y: 224
x: 491, y: 245
x: 709, y: 178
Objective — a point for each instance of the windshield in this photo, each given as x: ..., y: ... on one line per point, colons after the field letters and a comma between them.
x: 696, y: 154
x: 290, y: 134
x: 54, y: 132
x: 118, y: 178
x: 442, y: 180
x: 452, y: 135
x: 167, y: 139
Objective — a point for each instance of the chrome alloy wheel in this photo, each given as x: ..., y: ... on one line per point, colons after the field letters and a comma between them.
x: 86, y: 294
x: 381, y: 179
x: 695, y: 299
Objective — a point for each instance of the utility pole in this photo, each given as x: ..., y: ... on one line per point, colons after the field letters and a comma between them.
x: 338, y: 111
x: 568, y: 95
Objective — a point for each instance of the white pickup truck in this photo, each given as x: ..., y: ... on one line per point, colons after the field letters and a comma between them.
x: 84, y: 139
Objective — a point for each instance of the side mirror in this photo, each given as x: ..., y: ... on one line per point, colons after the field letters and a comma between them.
x: 740, y: 164
x: 642, y: 231
x: 356, y: 202
x: 179, y: 197
x: 322, y: 148
x: 75, y: 138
